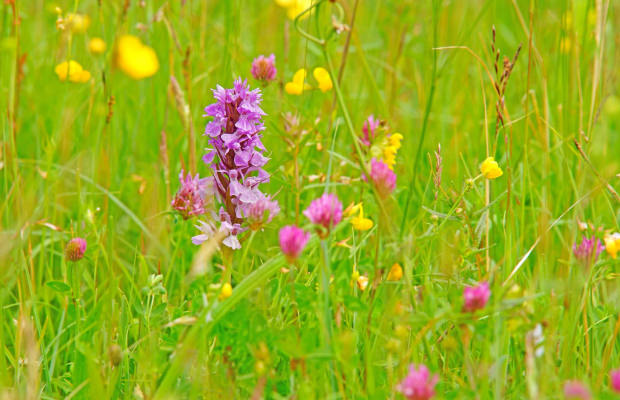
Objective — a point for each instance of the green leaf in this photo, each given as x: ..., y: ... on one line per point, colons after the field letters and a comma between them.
x: 58, y: 286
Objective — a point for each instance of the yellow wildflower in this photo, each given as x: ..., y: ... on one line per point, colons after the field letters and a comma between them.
x: 395, y: 139
x: 297, y: 86
x: 490, y: 169
x: 322, y: 77
x: 362, y: 282
x: 396, y: 272
x: 77, y: 23
x: 352, y: 209
x: 612, y: 244
x: 96, y: 45
x: 359, y: 222
x: 226, y: 291
x: 71, y: 71
x: 294, y: 7
x: 134, y: 58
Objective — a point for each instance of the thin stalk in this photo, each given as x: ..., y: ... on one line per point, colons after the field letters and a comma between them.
x: 327, y: 314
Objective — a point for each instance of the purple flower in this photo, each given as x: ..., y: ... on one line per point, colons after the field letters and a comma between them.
x: 191, y: 199
x: 236, y: 154
x: 261, y: 212
x: 383, y: 177
x: 476, y: 297
x: 292, y: 241
x: 576, y: 390
x: 325, y: 211
x: 418, y: 384
x: 585, y: 252
x: 614, y: 380
x: 264, y: 68
x: 369, y: 129
x: 75, y: 249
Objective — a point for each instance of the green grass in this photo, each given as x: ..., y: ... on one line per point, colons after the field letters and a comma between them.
x: 73, y: 162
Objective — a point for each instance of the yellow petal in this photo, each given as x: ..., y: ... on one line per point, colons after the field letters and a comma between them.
x: 300, y: 76
x: 322, y: 77
x: 69, y: 70
x: 490, y: 169
x: 84, y: 76
x: 135, y: 59
x: 396, y: 272
x: 361, y: 224
x: 362, y: 282
x: 96, y: 45
x: 226, y: 291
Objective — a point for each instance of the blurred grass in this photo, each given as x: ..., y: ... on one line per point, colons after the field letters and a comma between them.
x: 63, y: 164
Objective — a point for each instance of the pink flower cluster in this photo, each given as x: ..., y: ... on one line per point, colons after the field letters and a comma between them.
x: 383, y: 177
x: 193, y: 195
x: 418, y: 384
x: 264, y: 68
x: 326, y: 211
x: 476, y: 297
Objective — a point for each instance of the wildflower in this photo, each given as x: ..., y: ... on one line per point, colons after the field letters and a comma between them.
x: 96, y: 45
x: 226, y: 291
x: 322, y: 77
x: 236, y: 156
x: 490, y: 169
x: 576, y: 390
x: 418, y: 384
x: 383, y: 177
x: 191, y: 199
x: 476, y: 297
x: 206, y: 231
x: 292, y: 241
x: 75, y: 249
x: 614, y: 378
x: 297, y: 86
x: 369, y: 129
x: 134, y: 58
x: 588, y: 250
x: 325, y: 211
x: 359, y: 222
x: 612, y: 244
x: 77, y: 23
x: 294, y: 7
x: 72, y: 71
x: 264, y: 68
x: 396, y: 272
x: 391, y: 148
x: 362, y: 282
x: 260, y: 212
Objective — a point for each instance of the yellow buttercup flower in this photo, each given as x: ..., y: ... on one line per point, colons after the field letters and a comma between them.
x: 135, y: 58
x: 96, y: 45
x: 71, y: 71
x: 322, y: 77
x: 490, y: 169
x: 226, y: 291
x: 294, y: 7
x: 396, y: 272
x: 612, y: 244
x: 77, y: 23
x: 297, y: 86
x: 359, y: 222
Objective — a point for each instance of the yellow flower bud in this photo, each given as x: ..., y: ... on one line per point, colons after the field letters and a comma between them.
x: 396, y: 272
x: 490, y: 169
x: 96, y: 45
x: 612, y: 244
x: 226, y: 291
x: 135, y: 59
x: 322, y: 77
x: 71, y: 71
x: 297, y: 86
